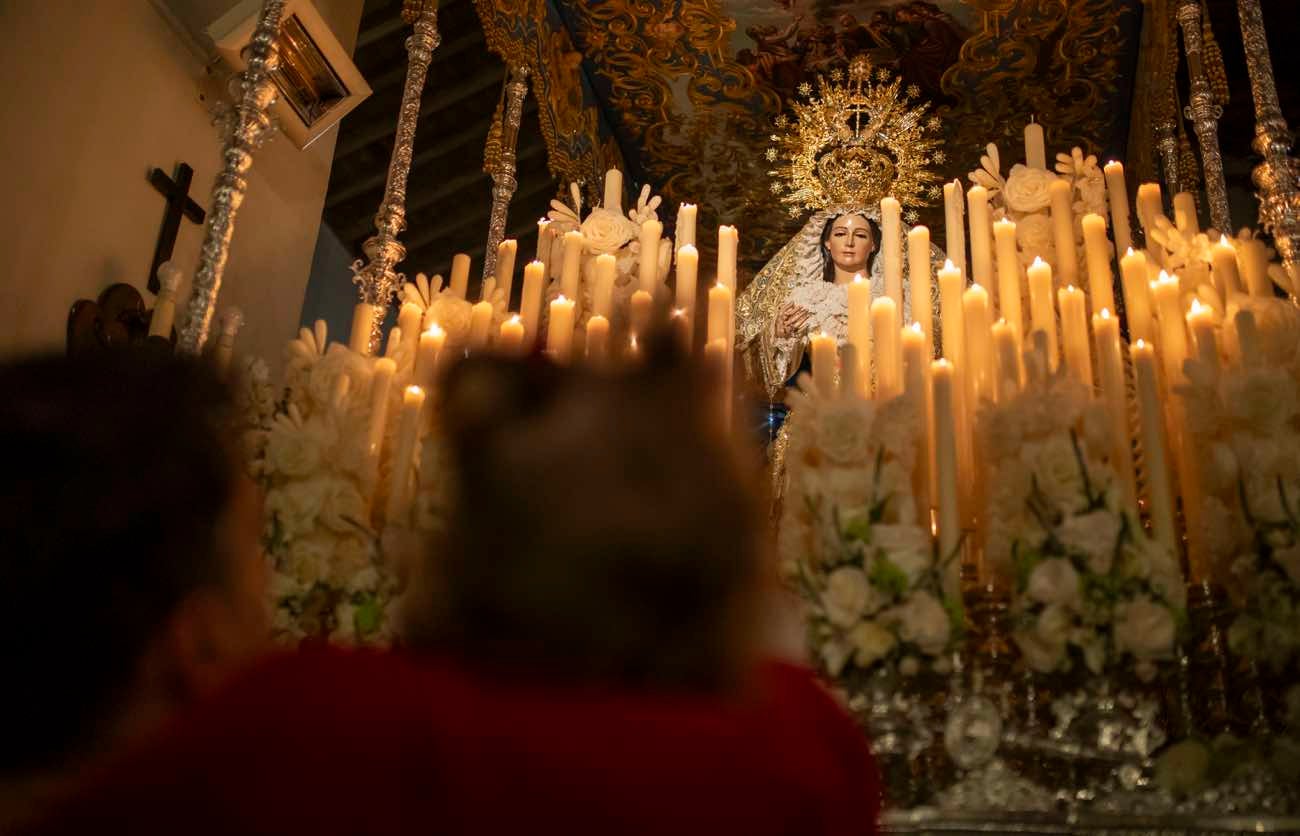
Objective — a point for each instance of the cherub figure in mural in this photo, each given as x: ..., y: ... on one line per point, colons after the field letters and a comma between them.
x: 839, y: 165
x: 774, y: 60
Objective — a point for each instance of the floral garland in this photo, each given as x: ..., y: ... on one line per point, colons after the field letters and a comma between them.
x: 850, y: 542
x: 1090, y: 586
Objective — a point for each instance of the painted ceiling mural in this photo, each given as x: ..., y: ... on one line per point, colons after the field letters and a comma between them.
x: 686, y: 91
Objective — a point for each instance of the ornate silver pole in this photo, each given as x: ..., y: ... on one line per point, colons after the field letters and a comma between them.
x: 248, y: 126
x: 1278, y: 176
x: 1204, y: 114
x: 377, y: 279
x: 500, y: 163
x: 1167, y: 142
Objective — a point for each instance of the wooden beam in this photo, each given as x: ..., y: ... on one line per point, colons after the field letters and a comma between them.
x: 396, y: 77
x: 471, y: 219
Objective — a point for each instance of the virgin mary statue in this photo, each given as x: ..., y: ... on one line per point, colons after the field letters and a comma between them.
x: 848, y: 147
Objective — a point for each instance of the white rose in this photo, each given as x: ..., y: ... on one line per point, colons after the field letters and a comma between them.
x: 1144, y: 628
x: 1055, y: 466
x: 835, y: 655
x: 342, y: 506
x: 308, y: 559
x: 1040, y: 656
x: 1094, y: 649
x: 291, y: 451
x: 871, y: 643
x: 1034, y: 237
x: 452, y: 315
x: 607, y: 231
x: 906, y: 546
x: 845, y: 486
x: 1054, y: 581
x: 846, y: 596
x: 1054, y: 625
x: 844, y: 431
x: 1094, y: 535
x: 921, y: 621
x: 296, y: 505
x: 1027, y: 189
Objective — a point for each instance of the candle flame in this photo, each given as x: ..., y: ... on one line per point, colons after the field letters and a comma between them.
x: 948, y: 265
x: 684, y: 248
x: 678, y: 313
x: 1105, y: 313
x: 1196, y: 307
x: 1141, y: 344
x: 1038, y: 261
x: 1223, y: 241
x: 857, y: 277
x: 514, y: 319
x: 435, y: 330
x: 1071, y: 289
x: 916, y: 326
x: 1128, y: 252
x: 1004, y: 222
x: 1165, y: 278
x: 544, y: 222
x: 561, y: 299
x: 414, y: 390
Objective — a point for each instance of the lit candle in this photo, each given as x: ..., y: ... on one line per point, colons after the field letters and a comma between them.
x: 164, y: 310
x: 380, y: 384
x: 683, y: 328
x: 597, y: 341
x: 1253, y: 263
x: 506, y: 266
x: 459, y: 285
x: 1074, y: 334
x: 915, y: 364
x: 688, y: 271
x: 1110, y: 368
x: 559, y: 333
x: 613, y: 191
x: 1185, y: 214
x: 1004, y: 236
x: 1200, y: 322
x: 1223, y: 261
x: 530, y: 303
x: 823, y: 364
x: 1007, y: 353
x: 641, y: 313
x: 891, y: 249
x: 359, y: 340
x: 954, y: 226
x: 1155, y: 456
x: 1042, y: 310
x: 1150, y: 205
x: 648, y: 259
x: 1137, y: 295
x: 888, y: 360
x: 510, y: 341
x: 1117, y: 197
x: 918, y: 275
x: 408, y: 434
x: 951, y: 286
x: 859, y: 304
x: 1096, y: 247
x: 480, y: 325
x: 979, y: 355
x: 945, y: 455
x: 1067, y: 260
x: 728, y: 246
x: 720, y: 313
x: 1035, y: 146
x: 981, y: 236
x: 606, y: 273
x: 686, y: 216
x: 426, y: 356
x: 543, y: 239
x: 571, y: 268
x: 1173, y: 330
x: 1247, y: 337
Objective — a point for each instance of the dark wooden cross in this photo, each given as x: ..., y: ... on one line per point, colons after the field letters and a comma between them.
x: 179, y: 203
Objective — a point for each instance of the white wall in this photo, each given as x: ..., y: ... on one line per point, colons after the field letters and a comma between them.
x: 93, y: 95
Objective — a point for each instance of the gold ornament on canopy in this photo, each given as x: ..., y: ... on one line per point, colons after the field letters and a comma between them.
x: 854, y: 143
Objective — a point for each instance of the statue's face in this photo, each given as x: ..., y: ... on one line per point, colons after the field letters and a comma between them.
x: 851, y: 243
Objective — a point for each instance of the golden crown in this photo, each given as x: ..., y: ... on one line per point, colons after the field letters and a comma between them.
x: 854, y: 143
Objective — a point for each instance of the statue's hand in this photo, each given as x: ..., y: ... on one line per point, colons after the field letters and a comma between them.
x: 791, y: 319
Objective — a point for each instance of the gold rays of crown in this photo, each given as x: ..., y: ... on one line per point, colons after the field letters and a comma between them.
x: 854, y: 143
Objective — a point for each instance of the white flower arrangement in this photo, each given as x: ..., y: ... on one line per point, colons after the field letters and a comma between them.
x: 330, y: 577
x: 850, y: 541
x: 1090, y: 586
x: 449, y: 311
x: 606, y: 231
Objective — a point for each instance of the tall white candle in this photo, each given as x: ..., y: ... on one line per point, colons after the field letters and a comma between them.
x: 954, y: 226
x: 570, y: 270
x: 1200, y: 322
x: 1067, y: 260
x: 359, y: 340
x: 1006, y: 353
x: 1074, y: 334
x: 728, y: 247
x: 979, y: 335
x: 426, y: 356
x: 888, y: 359
x: 916, y: 365
x: 686, y: 219
x: 480, y: 326
x: 891, y: 249
x: 530, y: 303
x: 1110, y: 368
x: 1253, y: 263
x: 559, y: 332
x: 1223, y: 262
x: 1150, y: 205
x: 945, y: 454
x: 1035, y: 146
x: 164, y: 310
x: 720, y: 297
x: 1137, y: 295
x: 648, y: 258
x: 606, y: 273
x: 613, y: 191
x: 981, y: 236
x: 688, y: 271
x: 859, y: 304
x: 824, y: 361
x: 231, y: 321
x: 597, y: 341
x: 1097, y: 249
x: 380, y: 385
x: 1042, y: 308
x: 543, y: 239
x: 409, y: 318
x: 641, y: 312
x: 1155, y: 451
x: 408, y: 435
x: 510, y: 341
x: 1117, y: 198
x: 1185, y: 214
x: 1004, y: 235
x: 1173, y: 330
x: 506, y: 266
x: 459, y: 284
x: 918, y: 275
x: 1247, y: 331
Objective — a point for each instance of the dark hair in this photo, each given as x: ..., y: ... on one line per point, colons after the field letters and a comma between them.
x: 117, y: 468
x: 828, y: 266
x: 600, y: 528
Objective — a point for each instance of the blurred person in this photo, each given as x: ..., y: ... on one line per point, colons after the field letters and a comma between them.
x: 583, y: 653
x: 131, y: 572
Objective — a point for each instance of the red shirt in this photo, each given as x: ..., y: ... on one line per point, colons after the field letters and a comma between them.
x: 332, y: 742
